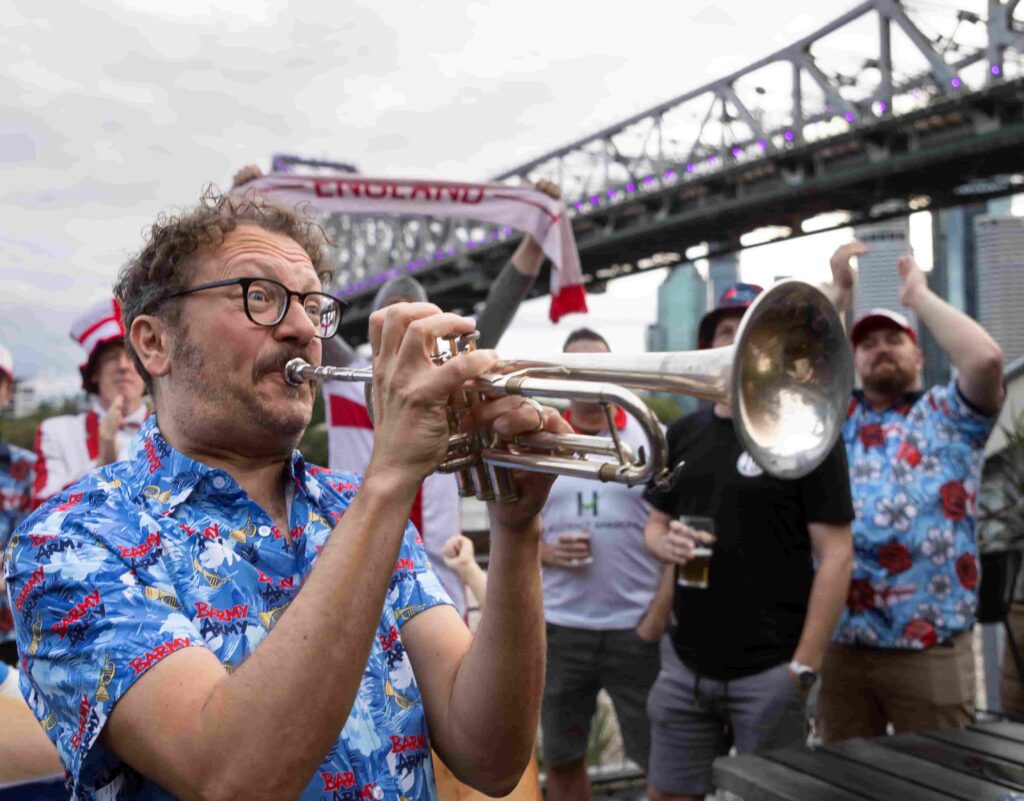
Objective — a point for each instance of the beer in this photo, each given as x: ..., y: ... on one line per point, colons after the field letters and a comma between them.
x: 696, y: 571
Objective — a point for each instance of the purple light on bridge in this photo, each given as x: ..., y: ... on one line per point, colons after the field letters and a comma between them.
x: 649, y: 180
x: 470, y: 244
x: 612, y: 194
x: 996, y: 70
x: 882, y: 107
x: 712, y: 160
x: 594, y: 200
x: 630, y: 188
x: 762, y: 144
x: 849, y: 116
x: 737, y: 152
x: 955, y: 83
x: 438, y: 255
x: 691, y: 167
x: 578, y: 205
x: 506, y: 231
x: 789, y: 136
x: 670, y: 174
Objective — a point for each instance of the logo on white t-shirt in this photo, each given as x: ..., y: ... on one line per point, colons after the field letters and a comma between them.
x: 747, y: 467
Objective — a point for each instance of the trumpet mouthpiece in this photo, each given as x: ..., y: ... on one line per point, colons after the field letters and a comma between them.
x: 293, y: 371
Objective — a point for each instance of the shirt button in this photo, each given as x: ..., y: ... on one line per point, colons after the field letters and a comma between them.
x: 378, y: 793
x: 263, y: 531
x: 219, y: 482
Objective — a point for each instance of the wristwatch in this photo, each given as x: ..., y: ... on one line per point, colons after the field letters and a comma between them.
x: 805, y: 675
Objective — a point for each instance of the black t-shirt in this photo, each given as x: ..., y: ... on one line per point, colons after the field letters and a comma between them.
x: 750, y: 616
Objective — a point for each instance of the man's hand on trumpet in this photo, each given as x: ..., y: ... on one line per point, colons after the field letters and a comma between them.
x: 411, y: 395
x: 411, y: 392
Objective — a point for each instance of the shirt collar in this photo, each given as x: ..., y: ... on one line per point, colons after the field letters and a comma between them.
x: 902, y: 403
x: 165, y: 473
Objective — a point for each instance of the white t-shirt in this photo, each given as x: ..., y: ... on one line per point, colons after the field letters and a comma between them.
x: 615, y: 590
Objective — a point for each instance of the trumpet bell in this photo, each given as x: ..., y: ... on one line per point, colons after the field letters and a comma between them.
x: 792, y: 375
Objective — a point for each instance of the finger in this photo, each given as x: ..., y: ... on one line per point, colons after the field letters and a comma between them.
x: 521, y: 419
x: 524, y: 409
x: 454, y: 373
x: 421, y: 334
x: 396, y: 319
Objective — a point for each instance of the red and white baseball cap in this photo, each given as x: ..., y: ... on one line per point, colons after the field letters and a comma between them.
x: 96, y: 327
x: 880, y: 317
x: 6, y: 363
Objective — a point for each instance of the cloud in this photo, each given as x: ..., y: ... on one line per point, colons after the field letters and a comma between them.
x: 118, y: 109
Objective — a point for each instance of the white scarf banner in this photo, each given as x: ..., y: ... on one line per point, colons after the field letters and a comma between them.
x: 521, y: 207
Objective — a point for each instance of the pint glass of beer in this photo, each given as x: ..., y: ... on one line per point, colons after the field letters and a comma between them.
x: 696, y: 571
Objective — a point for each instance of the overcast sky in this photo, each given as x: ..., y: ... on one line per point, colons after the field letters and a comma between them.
x: 115, y: 111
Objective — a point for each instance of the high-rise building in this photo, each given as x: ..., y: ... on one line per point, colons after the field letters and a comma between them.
x: 723, y: 272
x: 682, y: 301
x: 878, y: 277
x: 1000, y: 280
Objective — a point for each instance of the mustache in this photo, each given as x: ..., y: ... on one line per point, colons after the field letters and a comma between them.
x: 275, y: 361
x: 881, y: 359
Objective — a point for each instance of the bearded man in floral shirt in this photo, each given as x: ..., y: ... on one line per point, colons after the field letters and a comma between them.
x: 903, y: 653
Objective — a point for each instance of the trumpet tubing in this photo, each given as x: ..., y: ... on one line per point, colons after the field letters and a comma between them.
x: 788, y: 378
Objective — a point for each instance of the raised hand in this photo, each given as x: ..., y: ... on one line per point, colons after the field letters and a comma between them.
x: 915, y: 285
x: 108, y: 429
x: 843, y: 275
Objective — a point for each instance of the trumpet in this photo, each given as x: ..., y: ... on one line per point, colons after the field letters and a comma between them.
x: 788, y: 377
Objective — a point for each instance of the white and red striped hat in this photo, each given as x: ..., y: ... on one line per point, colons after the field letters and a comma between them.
x: 6, y: 363
x: 96, y: 327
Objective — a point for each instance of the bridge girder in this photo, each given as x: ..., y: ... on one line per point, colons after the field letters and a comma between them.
x: 797, y: 132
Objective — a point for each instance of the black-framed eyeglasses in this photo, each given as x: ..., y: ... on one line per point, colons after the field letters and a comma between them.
x: 266, y: 303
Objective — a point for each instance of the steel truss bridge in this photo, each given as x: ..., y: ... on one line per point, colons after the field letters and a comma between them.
x: 892, y: 107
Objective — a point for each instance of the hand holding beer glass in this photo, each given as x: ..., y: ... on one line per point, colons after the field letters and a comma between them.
x: 689, y: 541
x: 573, y: 549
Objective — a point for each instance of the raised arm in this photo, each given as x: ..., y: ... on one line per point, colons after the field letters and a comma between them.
x: 471, y: 685
x: 976, y: 356
x: 844, y: 279
x: 513, y: 283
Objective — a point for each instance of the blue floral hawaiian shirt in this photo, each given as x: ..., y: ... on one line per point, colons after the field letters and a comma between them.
x: 157, y: 553
x: 17, y: 471
x: 915, y: 469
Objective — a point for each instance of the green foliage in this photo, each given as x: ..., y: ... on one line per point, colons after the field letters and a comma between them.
x: 666, y: 407
x: 602, y: 734
x: 314, y: 442
x: 22, y: 430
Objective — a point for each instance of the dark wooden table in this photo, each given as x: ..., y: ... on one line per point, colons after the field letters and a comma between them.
x: 984, y: 762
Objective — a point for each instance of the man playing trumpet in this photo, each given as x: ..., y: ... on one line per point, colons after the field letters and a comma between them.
x: 218, y: 619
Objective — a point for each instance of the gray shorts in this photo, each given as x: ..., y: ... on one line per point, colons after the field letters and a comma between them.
x: 693, y: 723
x: 580, y: 663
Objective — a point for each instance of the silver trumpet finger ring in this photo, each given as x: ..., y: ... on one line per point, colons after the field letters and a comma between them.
x: 540, y: 413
